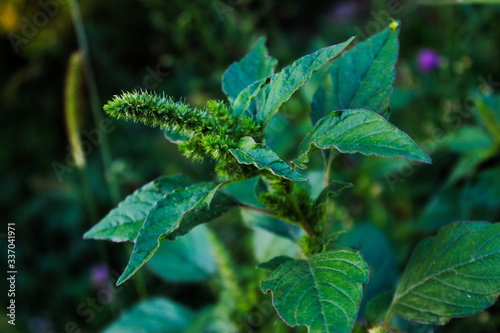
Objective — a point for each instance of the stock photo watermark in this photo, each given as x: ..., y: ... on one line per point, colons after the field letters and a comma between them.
x: 11, y: 272
x: 88, y: 309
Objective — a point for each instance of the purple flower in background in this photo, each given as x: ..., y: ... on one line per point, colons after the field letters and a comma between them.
x: 428, y: 60
x: 344, y: 11
x: 99, y: 275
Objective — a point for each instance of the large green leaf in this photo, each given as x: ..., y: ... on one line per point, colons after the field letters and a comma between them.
x: 322, y: 292
x: 285, y: 83
x: 187, y: 259
x: 359, y: 131
x: 261, y: 156
x: 254, y: 66
x: 175, y: 215
x: 334, y: 187
x: 123, y: 223
x: 455, y: 274
x: 274, y: 90
x: 153, y: 315
x: 361, y: 79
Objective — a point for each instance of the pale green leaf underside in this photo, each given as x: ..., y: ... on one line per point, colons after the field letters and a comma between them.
x: 153, y: 315
x: 361, y: 79
x: 123, y: 223
x: 261, y: 156
x: 359, y: 131
x: 175, y: 215
x: 187, y: 259
x: 274, y: 90
x: 455, y: 274
x: 322, y: 292
x: 254, y: 66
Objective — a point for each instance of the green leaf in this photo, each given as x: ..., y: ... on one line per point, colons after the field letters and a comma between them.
x: 267, y: 245
x: 443, y: 208
x: 377, y: 307
x: 455, y: 274
x: 334, y: 187
x: 322, y: 292
x: 153, y: 315
x: 283, y: 84
x: 254, y: 66
x: 247, y: 97
x: 361, y: 79
x: 123, y: 223
x: 359, y: 131
x: 274, y: 263
x: 212, y: 319
x: 277, y: 227
x: 186, y: 259
x: 487, y: 111
x: 261, y: 156
x: 272, y: 91
x: 175, y: 215
x: 468, y: 164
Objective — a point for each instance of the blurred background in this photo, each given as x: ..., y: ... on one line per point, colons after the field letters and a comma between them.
x: 448, y: 78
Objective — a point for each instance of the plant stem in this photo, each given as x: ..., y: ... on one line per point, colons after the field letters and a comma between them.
x: 95, y: 106
x: 302, y: 220
x: 387, y: 321
x: 95, y: 103
x: 328, y: 167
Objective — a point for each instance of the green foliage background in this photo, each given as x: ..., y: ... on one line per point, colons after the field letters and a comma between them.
x: 191, y: 44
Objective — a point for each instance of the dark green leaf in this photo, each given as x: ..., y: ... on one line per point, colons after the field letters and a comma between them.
x: 154, y: 315
x: 455, y: 274
x: 334, y: 187
x: 377, y: 307
x: 488, y: 111
x: 175, y: 215
x: 261, y: 156
x: 322, y: 292
x: 186, y: 259
x: 123, y: 223
x: 254, y: 66
x: 361, y: 79
x: 468, y: 164
x: 274, y: 263
x: 274, y: 226
x: 359, y: 131
x: 443, y: 208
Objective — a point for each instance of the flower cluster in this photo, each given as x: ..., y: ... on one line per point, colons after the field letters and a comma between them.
x: 210, y: 132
